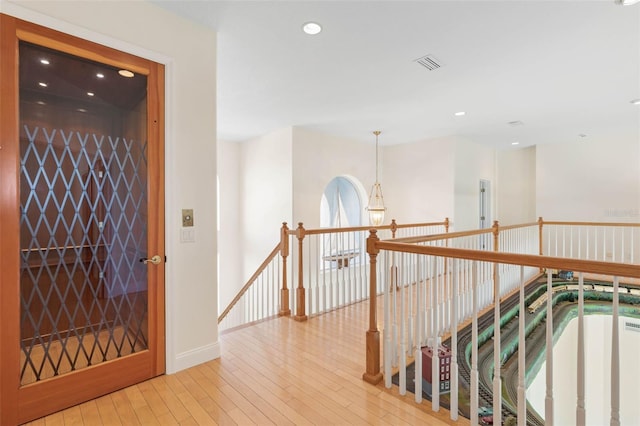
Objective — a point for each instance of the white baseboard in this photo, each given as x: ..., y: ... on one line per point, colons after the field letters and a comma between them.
x: 194, y: 357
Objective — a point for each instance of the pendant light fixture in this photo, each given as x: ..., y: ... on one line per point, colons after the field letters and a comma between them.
x: 376, y: 206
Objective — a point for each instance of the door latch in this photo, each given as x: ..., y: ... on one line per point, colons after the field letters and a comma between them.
x: 156, y: 260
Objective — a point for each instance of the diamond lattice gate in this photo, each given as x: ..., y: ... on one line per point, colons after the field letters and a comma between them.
x: 82, y: 220
x: 83, y: 289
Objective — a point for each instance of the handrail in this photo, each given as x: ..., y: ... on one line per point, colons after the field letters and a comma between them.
x: 588, y: 266
x: 437, y: 237
x: 250, y: 282
x: 451, y: 235
x: 634, y: 224
x: 392, y: 226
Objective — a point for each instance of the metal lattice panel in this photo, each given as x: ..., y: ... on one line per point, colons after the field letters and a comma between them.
x: 83, y: 231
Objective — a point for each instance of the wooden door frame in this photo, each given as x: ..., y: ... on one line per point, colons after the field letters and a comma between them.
x: 18, y: 403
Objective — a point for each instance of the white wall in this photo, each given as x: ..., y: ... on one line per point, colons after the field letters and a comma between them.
x: 589, y: 180
x: 472, y: 163
x: 229, y: 195
x: 266, y: 198
x: 418, y: 181
x: 189, y: 52
x: 319, y: 158
x: 516, y: 186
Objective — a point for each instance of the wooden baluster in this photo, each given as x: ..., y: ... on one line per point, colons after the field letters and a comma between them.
x: 403, y: 335
x: 453, y: 377
x: 372, y: 374
x: 284, y: 252
x: 580, y: 408
x: 386, y: 286
x: 474, y: 347
x: 522, y: 389
x: 497, y: 379
x: 300, y: 291
x: 435, y: 344
x: 548, y: 406
x: 540, y: 240
x: 417, y: 378
x: 615, y: 357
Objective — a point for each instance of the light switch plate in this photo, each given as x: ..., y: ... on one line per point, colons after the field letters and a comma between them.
x: 187, y: 235
x: 187, y: 217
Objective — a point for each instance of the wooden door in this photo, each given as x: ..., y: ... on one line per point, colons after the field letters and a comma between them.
x: 81, y: 217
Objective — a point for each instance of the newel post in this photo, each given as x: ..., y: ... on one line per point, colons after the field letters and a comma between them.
x: 284, y: 252
x: 300, y: 292
x: 394, y: 228
x: 373, y: 374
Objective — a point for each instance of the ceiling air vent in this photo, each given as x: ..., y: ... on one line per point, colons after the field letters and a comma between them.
x: 429, y: 62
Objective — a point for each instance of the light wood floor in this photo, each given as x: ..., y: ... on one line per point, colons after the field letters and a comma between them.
x: 277, y: 372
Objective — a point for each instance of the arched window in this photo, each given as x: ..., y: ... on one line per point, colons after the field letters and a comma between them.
x: 341, y: 207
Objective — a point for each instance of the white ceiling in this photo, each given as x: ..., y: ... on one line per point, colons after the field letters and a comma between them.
x: 563, y: 68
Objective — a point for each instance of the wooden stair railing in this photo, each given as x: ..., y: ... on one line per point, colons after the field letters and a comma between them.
x: 249, y: 283
x: 300, y: 234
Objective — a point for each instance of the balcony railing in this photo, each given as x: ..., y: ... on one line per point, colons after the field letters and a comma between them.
x: 433, y: 285
x: 433, y: 282
x: 311, y: 271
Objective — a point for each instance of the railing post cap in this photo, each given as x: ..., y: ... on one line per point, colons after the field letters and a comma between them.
x: 371, y: 242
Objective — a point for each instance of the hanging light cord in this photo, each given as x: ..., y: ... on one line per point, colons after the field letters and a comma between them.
x: 377, y: 132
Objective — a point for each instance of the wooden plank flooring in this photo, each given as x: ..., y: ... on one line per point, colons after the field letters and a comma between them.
x: 277, y: 372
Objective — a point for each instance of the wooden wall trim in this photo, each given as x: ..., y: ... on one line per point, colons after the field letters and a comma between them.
x: 9, y: 221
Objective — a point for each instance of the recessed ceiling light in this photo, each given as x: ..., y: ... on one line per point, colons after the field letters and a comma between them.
x: 44, y: 61
x: 459, y: 113
x: 515, y: 123
x: 311, y: 28
x: 90, y: 94
x: 100, y: 75
x: 626, y: 2
x: 42, y: 84
x: 515, y: 143
x: 41, y: 102
x: 636, y: 101
x: 582, y: 135
x: 126, y: 73
x: 81, y: 110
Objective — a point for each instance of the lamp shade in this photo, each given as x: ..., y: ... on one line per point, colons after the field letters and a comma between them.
x: 376, y: 206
